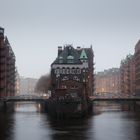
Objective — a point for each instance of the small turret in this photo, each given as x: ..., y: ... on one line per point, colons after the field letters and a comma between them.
x: 83, y: 55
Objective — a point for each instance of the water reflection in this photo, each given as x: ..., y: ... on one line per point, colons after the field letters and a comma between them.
x: 6, y: 125
x: 116, y: 122
x: 70, y: 129
x: 108, y: 121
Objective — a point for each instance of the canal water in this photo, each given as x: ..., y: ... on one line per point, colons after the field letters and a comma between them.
x: 112, y: 121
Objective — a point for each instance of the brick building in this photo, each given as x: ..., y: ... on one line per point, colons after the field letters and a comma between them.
x: 7, y: 67
x: 108, y: 81
x: 127, y: 69
x: 73, y: 66
x: 137, y: 67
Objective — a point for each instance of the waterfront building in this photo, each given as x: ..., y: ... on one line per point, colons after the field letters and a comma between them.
x: 137, y: 67
x: 73, y: 65
x: 108, y: 81
x: 7, y: 67
x: 128, y: 75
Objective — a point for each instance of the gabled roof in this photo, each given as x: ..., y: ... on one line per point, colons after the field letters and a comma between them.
x: 75, y: 55
x: 68, y: 53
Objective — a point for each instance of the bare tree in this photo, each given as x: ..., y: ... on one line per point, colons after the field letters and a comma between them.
x: 43, y: 84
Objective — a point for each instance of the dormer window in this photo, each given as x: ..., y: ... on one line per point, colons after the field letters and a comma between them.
x: 70, y: 59
x: 60, y: 59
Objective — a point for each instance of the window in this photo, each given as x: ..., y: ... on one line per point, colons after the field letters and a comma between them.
x: 70, y: 59
x: 70, y: 71
x: 63, y: 71
x: 73, y: 71
x: 78, y: 71
x: 84, y: 70
x: 60, y: 71
x: 60, y: 59
x: 57, y: 70
x: 67, y: 71
x: 75, y: 78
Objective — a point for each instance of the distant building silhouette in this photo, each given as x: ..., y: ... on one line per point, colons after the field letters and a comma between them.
x: 108, y: 81
x: 27, y: 85
x: 7, y: 67
x: 128, y: 75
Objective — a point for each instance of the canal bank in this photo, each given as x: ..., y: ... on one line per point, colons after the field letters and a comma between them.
x: 68, y: 109
x: 6, y: 106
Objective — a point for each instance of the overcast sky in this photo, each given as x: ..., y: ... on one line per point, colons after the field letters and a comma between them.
x: 35, y: 28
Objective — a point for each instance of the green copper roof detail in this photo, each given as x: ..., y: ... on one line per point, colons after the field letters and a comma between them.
x: 83, y: 55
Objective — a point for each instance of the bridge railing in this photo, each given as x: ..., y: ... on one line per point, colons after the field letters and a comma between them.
x: 23, y: 97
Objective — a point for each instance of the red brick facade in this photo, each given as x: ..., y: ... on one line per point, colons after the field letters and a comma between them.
x: 137, y: 67
x: 128, y: 75
x: 108, y: 81
x: 7, y: 67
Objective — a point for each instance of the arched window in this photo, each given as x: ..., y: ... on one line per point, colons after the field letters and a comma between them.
x: 78, y: 70
x: 63, y: 70
x: 73, y: 70
x: 57, y: 70
x: 60, y: 71
x: 60, y: 59
x: 68, y: 70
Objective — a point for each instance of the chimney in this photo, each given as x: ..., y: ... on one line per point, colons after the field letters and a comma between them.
x: 1, y: 32
x: 59, y: 50
x: 78, y: 48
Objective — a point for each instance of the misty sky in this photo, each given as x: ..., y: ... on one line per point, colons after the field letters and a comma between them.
x: 35, y: 28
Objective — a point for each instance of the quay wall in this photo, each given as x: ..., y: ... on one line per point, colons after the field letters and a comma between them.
x: 8, y: 107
